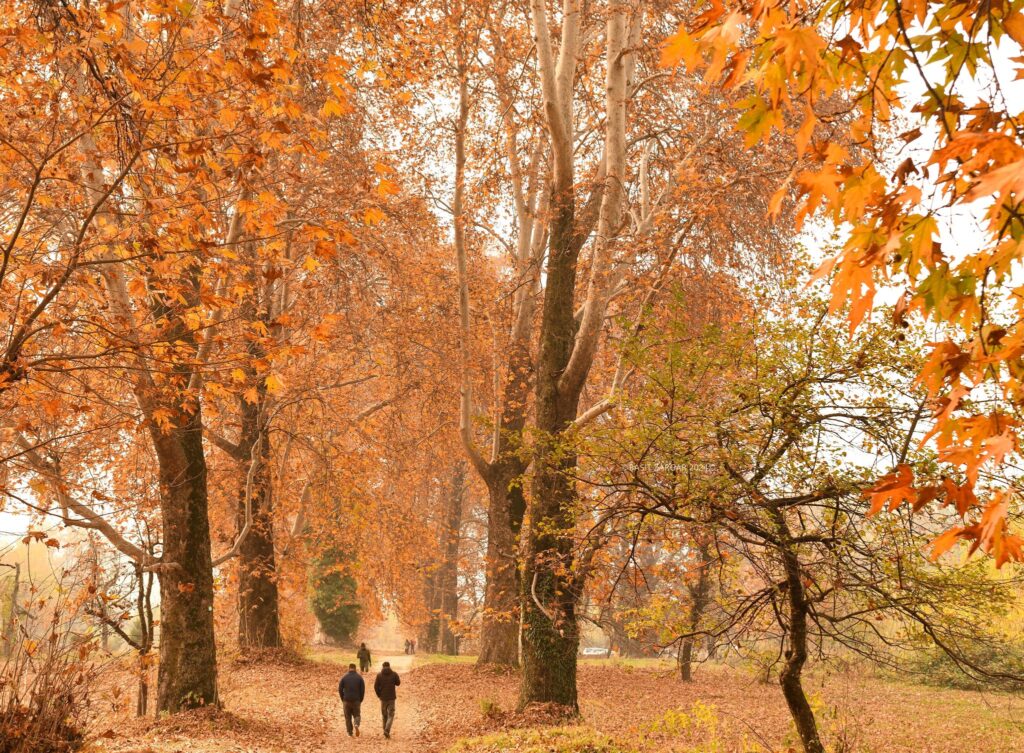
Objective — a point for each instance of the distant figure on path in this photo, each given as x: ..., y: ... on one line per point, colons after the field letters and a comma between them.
x: 412, y: 646
x: 384, y: 686
x: 408, y: 647
x: 351, y: 689
x: 363, y: 655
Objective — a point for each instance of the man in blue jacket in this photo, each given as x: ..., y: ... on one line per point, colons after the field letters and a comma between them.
x: 351, y: 689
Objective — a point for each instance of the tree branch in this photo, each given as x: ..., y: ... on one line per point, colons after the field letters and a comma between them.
x: 254, y: 464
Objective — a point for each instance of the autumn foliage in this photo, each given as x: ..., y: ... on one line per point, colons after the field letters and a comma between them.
x: 905, y: 195
x: 497, y: 322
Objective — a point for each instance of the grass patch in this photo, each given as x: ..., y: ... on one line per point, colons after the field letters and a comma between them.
x: 344, y: 656
x: 642, y: 663
x: 576, y: 739
x: 330, y: 655
x: 419, y: 660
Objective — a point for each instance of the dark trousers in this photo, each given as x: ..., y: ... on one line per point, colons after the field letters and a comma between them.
x: 363, y: 665
x: 351, y: 714
x: 387, y: 713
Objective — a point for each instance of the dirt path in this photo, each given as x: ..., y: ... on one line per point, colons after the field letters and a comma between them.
x: 281, y: 708
x: 407, y: 728
x: 293, y: 707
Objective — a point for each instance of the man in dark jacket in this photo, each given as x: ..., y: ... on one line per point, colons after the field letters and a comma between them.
x: 363, y: 655
x: 351, y: 689
x: 384, y: 686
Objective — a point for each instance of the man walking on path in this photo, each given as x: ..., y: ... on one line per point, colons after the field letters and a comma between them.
x: 351, y: 689
x: 363, y: 655
x: 384, y: 686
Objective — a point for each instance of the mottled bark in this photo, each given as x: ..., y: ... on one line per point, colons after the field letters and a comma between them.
x: 258, y: 615
x: 502, y: 473
x: 258, y: 612
x: 448, y: 580
x: 187, y: 676
x: 551, y: 582
x: 499, y: 628
x: 550, y: 628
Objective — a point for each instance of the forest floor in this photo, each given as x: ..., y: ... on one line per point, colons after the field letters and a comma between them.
x: 292, y: 707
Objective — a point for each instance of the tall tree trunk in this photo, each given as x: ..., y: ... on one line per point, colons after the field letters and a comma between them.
x: 499, y: 629
x: 187, y: 676
x: 551, y: 581
x: 258, y: 616
x: 503, y: 471
x: 550, y: 629
x: 259, y: 625
x: 258, y: 609
x: 796, y: 652
x: 430, y: 633
x: 551, y: 632
x: 449, y: 574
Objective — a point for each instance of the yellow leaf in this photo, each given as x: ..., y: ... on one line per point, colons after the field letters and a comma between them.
x: 333, y: 107
x: 274, y: 384
x: 251, y: 396
x: 373, y: 216
x: 387, y: 188
x: 214, y: 388
x: 680, y: 48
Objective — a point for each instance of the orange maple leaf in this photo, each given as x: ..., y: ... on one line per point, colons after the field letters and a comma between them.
x: 894, y: 488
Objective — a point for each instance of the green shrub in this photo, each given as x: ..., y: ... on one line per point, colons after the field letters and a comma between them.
x: 333, y: 597
x: 935, y: 667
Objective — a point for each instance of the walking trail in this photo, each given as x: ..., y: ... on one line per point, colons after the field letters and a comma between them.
x: 281, y: 708
x: 406, y: 730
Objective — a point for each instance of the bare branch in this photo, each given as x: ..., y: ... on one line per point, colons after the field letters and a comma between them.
x: 87, y: 517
